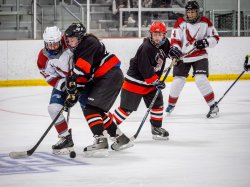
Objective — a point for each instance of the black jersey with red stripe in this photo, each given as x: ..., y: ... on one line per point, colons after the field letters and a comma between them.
x: 146, y: 67
x: 92, y: 59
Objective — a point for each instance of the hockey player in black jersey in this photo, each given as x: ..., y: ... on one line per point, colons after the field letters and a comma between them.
x: 142, y: 80
x: 93, y: 62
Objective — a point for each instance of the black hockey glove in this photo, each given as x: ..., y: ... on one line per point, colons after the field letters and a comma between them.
x: 201, y: 44
x: 247, y: 64
x: 71, y: 86
x: 158, y: 84
x: 174, y: 52
x: 70, y: 101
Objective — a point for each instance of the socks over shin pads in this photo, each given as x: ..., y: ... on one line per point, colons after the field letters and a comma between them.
x: 60, y: 124
x: 120, y: 115
x: 205, y: 88
x: 176, y: 88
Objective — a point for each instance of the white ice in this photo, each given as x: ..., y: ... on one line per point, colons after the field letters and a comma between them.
x: 201, y: 152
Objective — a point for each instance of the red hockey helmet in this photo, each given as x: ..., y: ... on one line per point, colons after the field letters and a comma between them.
x: 158, y: 26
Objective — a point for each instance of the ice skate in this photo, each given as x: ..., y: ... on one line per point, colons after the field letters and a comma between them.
x: 159, y: 133
x: 213, y: 112
x: 169, y: 109
x: 64, y: 146
x: 99, y: 148
x: 122, y: 142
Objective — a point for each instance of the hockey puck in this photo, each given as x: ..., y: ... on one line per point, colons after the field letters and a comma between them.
x: 72, y: 154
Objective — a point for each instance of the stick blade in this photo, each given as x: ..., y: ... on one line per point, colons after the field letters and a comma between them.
x: 132, y: 138
x: 17, y: 155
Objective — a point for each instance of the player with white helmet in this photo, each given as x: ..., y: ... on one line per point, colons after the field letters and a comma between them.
x: 192, y: 31
x: 55, y: 64
x: 52, y: 37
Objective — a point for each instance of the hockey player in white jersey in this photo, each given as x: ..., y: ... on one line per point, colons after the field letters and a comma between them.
x: 55, y: 64
x: 192, y: 31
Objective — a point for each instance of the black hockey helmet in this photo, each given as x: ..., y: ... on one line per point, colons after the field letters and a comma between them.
x: 192, y: 5
x: 76, y: 30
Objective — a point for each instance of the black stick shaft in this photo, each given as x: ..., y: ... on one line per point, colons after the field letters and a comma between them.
x: 154, y: 99
x: 216, y: 103
x: 231, y: 87
x: 32, y: 150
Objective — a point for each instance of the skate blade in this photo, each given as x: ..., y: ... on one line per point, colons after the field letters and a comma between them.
x: 126, y: 146
x: 168, y: 113
x: 64, y: 151
x: 157, y: 137
x: 100, y: 153
x: 213, y: 115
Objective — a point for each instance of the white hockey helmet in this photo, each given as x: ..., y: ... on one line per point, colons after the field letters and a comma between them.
x: 52, y: 35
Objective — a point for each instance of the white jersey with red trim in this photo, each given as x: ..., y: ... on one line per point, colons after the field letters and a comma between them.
x: 55, y: 69
x: 185, y: 34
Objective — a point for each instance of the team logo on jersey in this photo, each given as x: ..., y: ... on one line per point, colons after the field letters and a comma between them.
x: 191, y: 39
x: 159, y: 58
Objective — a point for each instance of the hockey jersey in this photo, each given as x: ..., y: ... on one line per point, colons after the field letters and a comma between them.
x: 55, y: 68
x: 185, y: 34
x: 92, y: 60
x: 146, y: 67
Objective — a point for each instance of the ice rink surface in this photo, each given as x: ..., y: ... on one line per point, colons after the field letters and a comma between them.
x: 201, y: 152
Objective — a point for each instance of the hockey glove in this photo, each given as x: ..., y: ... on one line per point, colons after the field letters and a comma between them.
x: 247, y: 64
x: 71, y: 86
x: 70, y: 101
x: 158, y: 84
x: 174, y: 52
x: 201, y: 44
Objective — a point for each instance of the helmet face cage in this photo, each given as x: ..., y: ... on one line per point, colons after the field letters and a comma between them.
x: 75, y: 30
x: 192, y: 5
x: 52, y: 40
x: 53, y: 51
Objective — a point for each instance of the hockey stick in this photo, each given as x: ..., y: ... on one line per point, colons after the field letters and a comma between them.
x: 174, y: 61
x: 72, y: 153
x: 216, y: 103
x: 153, y: 101
x: 68, y: 115
x: 23, y: 154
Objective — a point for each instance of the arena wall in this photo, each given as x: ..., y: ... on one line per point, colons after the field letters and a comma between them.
x: 18, y: 59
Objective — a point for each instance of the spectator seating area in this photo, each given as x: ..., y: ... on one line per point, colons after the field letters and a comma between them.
x: 107, y: 18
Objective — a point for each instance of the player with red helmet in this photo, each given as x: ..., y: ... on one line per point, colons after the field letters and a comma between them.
x: 142, y: 79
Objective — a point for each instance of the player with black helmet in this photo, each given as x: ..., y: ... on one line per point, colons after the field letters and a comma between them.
x: 192, y: 31
x: 192, y: 11
x: 142, y: 79
x: 93, y: 62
